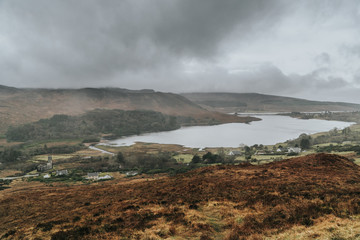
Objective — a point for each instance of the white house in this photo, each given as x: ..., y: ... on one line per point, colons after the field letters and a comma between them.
x: 131, y: 173
x: 294, y: 150
x: 234, y: 153
x: 46, y: 176
x: 94, y: 176
x: 105, y: 177
x: 61, y: 172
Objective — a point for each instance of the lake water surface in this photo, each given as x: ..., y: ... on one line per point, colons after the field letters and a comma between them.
x: 272, y: 129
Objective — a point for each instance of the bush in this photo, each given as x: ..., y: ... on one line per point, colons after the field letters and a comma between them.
x: 76, y: 233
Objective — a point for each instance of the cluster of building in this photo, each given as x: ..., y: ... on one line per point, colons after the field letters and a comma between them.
x: 96, y: 176
x: 264, y: 152
x: 49, y: 165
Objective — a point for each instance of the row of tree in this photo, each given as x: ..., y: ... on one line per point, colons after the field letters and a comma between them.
x: 91, y: 125
x: 20, y: 153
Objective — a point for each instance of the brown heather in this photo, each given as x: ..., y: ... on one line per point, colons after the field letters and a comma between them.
x: 217, y: 202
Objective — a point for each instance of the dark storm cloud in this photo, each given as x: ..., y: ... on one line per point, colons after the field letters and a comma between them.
x: 75, y: 43
x: 269, y: 79
x: 196, y: 28
x: 181, y: 45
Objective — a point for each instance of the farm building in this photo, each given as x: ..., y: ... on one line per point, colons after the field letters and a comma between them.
x: 294, y: 150
x: 61, y: 172
x: 105, y: 177
x: 234, y: 153
x: 94, y: 176
x: 47, y: 166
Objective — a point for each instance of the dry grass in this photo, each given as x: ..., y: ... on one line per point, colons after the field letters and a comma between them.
x: 54, y: 157
x: 148, y: 148
x: 324, y: 228
x: 184, y: 158
x: 281, y: 200
x: 8, y: 172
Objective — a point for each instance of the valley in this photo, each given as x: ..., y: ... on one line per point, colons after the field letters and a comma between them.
x: 20, y: 106
x: 179, y: 120
x: 171, y: 191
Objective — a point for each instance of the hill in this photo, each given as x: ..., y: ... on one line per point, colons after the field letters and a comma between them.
x: 91, y: 125
x: 19, y: 106
x: 217, y: 202
x: 254, y: 102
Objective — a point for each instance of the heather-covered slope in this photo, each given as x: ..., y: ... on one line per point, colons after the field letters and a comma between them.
x: 219, y: 202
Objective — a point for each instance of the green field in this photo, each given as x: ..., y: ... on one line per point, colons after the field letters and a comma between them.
x: 184, y: 158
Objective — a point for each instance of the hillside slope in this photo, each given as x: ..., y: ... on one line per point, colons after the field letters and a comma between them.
x: 18, y: 106
x: 254, y: 102
x: 91, y: 125
x: 218, y: 202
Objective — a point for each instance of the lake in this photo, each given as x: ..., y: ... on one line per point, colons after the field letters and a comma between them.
x: 272, y: 129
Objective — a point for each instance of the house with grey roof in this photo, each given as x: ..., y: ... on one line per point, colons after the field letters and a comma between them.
x: 294, y: 150
x: 234, y: 153
x: 93, y: 176
x: 62, y: 172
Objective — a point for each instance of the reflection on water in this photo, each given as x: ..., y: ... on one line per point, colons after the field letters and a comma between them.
x: 272, y: 129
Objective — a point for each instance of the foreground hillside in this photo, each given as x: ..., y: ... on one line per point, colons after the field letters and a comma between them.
x: 254, y: 102
x: 19, y: 106
x: 281, y: 199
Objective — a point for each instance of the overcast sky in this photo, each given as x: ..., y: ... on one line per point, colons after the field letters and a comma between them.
x: 304, y: 48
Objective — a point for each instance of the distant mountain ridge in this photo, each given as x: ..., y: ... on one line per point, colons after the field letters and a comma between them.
x: 255, y: 102
x: 22, y: 105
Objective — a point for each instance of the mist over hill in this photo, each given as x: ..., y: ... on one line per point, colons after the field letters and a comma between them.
x: 255, y: 102
x: 19, y: 106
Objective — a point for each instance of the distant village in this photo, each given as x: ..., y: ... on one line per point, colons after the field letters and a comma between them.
x: 279, y: 150
x: 47, y: 171
x: 45, y: 168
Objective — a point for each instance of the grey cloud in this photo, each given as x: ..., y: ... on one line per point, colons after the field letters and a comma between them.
x: 351, y: 51
x: 145, y: 44
x: 197, y: 27
x: 266, y: 79
x: 73, y: 42
x: 323, y: 59
x: 357, y: 76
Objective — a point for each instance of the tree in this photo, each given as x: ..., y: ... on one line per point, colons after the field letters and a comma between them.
x: 120, y: 158
x: 247, y: 153
x: 210, y: 158
x: 10, y: 155
x: 221, y: 155
x: 346, y: 131
x: 196, y: 159
x: 305, y: 143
